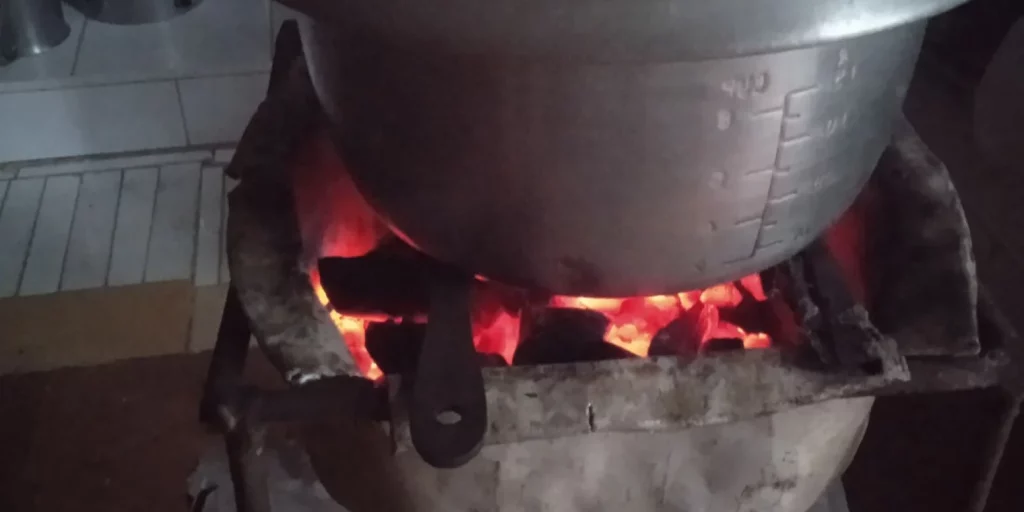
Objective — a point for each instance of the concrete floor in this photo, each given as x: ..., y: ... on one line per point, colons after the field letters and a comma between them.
x: 122, y: 436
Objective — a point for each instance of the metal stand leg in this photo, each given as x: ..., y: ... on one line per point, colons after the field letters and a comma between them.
x: 225, y: 405
x: 994, y: 452
x: 248, y: 470
x: 242, y: 412
x: 224, y: 376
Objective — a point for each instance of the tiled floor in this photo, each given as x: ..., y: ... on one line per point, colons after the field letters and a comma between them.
x: 217, y: 36
x: 120, y: 118
x: 112, y: 195
x: 114, y: 222
x: 216, y: 109
x: 107, y: 259
x: 190, y: 81
x: 90, y: 120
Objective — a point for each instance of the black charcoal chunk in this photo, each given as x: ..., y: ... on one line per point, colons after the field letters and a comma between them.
x: 564, y: 335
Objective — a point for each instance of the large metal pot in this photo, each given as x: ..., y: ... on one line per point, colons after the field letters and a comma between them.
x: 612, y: 147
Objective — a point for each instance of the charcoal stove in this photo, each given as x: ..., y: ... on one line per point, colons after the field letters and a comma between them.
x: 885, y: 303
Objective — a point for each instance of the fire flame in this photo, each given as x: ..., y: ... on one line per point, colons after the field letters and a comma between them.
x: 352, y: 328
x: 495, y: 330
x: 635, y: 321
x: 500, y: 336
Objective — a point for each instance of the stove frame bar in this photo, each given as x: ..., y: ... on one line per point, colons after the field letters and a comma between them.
x: 242, y: 412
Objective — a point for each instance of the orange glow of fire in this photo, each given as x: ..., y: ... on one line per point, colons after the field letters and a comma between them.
x: 497, y: 332
x: 498, y: 336
x: 353, y: 330
x: 635, y: 321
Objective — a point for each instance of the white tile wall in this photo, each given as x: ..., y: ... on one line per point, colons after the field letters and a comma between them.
x: 108, y: 89
x: 172, y: 240
x: 131, y: 229
x: 112, y: 227
x: 17, y: 218
x: 50, y: 236
x: 118, y: 162
x: 224, y: 156
x: 90, y: 120
x: 114, y: 88
x: 208, y: 247
x: 218, y: 109
x: 92, y: 231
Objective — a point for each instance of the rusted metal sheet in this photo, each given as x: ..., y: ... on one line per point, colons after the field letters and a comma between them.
x: 292, y: 326
x: 268, y: 263
x: 648, y: 395
x: 781, y: 462
x: 920, y: 262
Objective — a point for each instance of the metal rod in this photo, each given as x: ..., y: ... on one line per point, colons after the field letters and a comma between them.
x: 341, y: 397
x: 228, y: 361
x: 994, y: 453
x: 248, y: 470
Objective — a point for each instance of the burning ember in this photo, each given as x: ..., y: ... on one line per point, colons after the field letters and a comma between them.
x: 352, y: 328
x: 633, y: 322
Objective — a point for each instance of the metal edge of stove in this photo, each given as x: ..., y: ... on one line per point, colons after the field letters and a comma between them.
x: 657, y: 394
x: 264, y: 248
x: 242, y: 412
x: 666, y: 393
x: 927, y: 305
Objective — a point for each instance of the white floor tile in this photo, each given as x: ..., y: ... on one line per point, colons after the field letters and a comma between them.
x: 217, y: 35
x: 89, y: 120
x: 208, y: 238
x: 131, y: 230
x: 54, y: 63
x: 50, y: 237
x: 120, y: 78
x: 92, y: 230
x: 223, y: 156
x: 16, y: 220
x: 119, y: 162
x: 217, y: 110
x: 172, y: 239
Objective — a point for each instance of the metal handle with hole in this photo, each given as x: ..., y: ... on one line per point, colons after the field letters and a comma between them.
x: 448, y: 413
